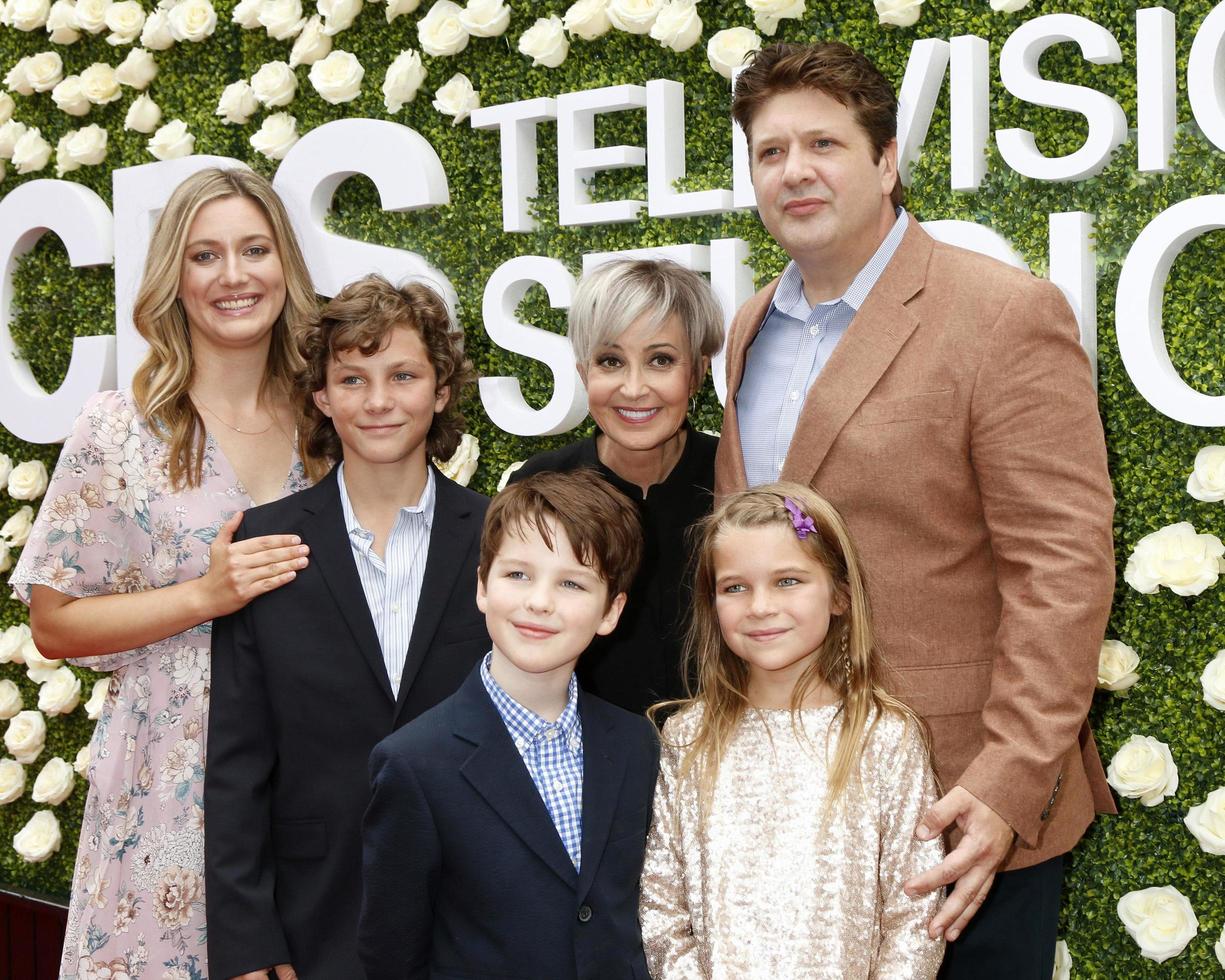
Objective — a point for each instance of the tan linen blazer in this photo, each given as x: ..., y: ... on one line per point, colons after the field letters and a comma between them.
x: 956, y: 429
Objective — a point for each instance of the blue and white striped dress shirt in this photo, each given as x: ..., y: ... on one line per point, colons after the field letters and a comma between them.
x: 793, y: 346
x: 553, y: 754
x: 392, y: 583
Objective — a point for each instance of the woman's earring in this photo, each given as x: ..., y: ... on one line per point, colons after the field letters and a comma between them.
x: 693, y: 403
x: 844, y: 647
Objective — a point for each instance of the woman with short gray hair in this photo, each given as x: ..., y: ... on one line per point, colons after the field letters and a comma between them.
x: 643, y: 333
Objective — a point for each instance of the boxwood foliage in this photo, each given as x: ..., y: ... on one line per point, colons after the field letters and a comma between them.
x: 1150, y: 455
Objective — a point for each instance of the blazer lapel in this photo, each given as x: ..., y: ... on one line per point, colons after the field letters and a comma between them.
x: 332, y: 555
x: 879, y: 330
x: 453, y: 527
x: 603, y: 773
x: 729, y: 457
x: 497, y: 772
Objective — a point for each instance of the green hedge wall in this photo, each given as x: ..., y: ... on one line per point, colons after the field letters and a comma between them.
x: 1150, y: 455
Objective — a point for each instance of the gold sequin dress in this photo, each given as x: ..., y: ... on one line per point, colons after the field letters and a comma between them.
x: 761, y: 890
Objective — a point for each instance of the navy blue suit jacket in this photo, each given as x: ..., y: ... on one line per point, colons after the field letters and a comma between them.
x: 464, y: 872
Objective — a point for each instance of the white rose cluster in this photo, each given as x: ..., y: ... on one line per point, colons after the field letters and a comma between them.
x: 1176, y: 557
x: 144, y: 115
x: 125, y: 19
x: 545, y: 42
x: 274, y: 85
x: 1063, y: 962
x: 634, y: 16
x: 282, y: 19
x: 485, y: 18
x: 457, y: 98
x: 337, y: 15
x: 276, y: 134
x: 30, y: 154
x: 1160, y: 920
x: 172, y: 141
x: 338, y: 77
x: 507, y: 473
x: 311, y: 45
x: 80, y: 148
x: 12, y: 781
x: 157, y: 35
x: 403, y: 80
x: 727, y: 49
x: 1143, y: 769
x: 898, y: 13
x: 55, y: 783
x: 137, y: 70
x: 12, y: 644
x: 26, y: 736
x: 60, y: 693
x: 1213, y: 681
x: 1008, y: 6
x: 1207, y: 479
x: 97, y: 698
x: 1206, y: 821
x: 678, y: 26
x: 397, y: 8
x: 39, y: 669
x: 237, y: 103
x: 10, y: 699
x: 62, y: 24
x: 192, y: 20
x: 441, y: 32
x: 39, y: 838
x: 767, y: 13
x: 16, y: 530
x: 462, y: 463
x: 1116, y: 666
x: 25, y: 15
x: 587, y: 19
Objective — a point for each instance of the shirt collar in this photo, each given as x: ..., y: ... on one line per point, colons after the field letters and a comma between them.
x: 524, y: 725
x: 789, y: 296
x: 424, y: 506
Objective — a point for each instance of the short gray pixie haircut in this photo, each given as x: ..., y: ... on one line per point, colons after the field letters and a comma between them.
x: 610, y: 298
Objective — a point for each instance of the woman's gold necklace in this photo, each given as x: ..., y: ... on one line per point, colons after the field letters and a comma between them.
x: 244, y: 432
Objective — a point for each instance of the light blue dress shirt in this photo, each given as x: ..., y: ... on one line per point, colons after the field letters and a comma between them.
x: 552, y: 751
x: 392, y: 583
x: 793, y: 346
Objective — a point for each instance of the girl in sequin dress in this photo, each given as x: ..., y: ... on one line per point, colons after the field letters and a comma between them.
x: 791, y: 784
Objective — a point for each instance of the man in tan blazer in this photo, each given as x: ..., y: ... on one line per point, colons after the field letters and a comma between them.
x: 942, y: 402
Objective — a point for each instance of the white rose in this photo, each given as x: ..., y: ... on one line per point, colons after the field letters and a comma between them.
x: 767, y: 13
x: 28, y: 480
x: 16, y: 530
x: 44, y: 71
x: 1213, y: 681
x: 441, y: 32
x: 15, y: 81
x: 338, y: 77
x: 1219, y: 949
x: 1176, y: 557
x: 507, y: 473
x: 1063, y: 962
x: 276, y: 135
x: 1116, y: 666
x: 80, y: 148
x: 6, y: 556
x: 62, y: 23
x: 30, y: 154
x: 1207, y: 822
x: 485, y: 18
x: 54, y: 784
x: 12, y: 644
x: 143, y: 115
x: 61, y: 693
x: 172, y: 141
x: 12, y: 781
x: 587, y: 19
x: 397, y: 7
x: 311, y: 45
x: 10, y: 699
x: 634, y: 16
x: 899, y: 13
x: 137, y: 70
x: 157, y: 35
x: 404, y: 77
x: 237, y: 103
x: 81, y: 763
x: 462, y: 464
x: 274, y: 85
x: 338, y: 15
x: 727, y: 49
x: 69, y: 98
x: 1143, y: 770
x: 10, y: 133
x: 545, y: 42
x: 99, y: 84
x: 39, y: 838
x: 1207, y: 479
x: 38, y: 668
x: 97, y: 698
x: 6, y: 113
x: 25, y: 736
x: 1160, y: 920
x: 282, y: 19
x: 91, y: 15
x: 457, y: 98
x: 192, y: 20
x: 27, y: 15
x: 246, y: 14
x: 1008, y: 6
x: 125, y: 20
x: 678, y: 25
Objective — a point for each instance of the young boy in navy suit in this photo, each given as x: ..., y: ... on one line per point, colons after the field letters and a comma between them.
x: 379, y: 626
x: 506, y: 828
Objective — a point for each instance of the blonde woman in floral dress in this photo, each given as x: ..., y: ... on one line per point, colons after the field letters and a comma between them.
x: 131, y: 557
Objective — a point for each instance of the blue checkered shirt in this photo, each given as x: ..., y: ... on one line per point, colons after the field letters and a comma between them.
x: 553, y: 754
x: 794, y: 344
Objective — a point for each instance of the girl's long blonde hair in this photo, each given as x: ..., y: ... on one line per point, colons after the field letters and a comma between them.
x: 162, y: 383
x: 721, y: 689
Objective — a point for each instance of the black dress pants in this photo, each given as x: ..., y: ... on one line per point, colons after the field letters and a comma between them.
x: 1013, y: 935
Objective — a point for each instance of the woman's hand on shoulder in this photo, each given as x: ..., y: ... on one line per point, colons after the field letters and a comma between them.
x: 241, y: 570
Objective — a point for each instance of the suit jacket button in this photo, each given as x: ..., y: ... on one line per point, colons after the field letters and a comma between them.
x: 584, y: 913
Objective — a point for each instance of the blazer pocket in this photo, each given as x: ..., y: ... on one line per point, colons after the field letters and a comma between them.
x: 944, y: 689
x: 300, y: 839
x: 911, y: 408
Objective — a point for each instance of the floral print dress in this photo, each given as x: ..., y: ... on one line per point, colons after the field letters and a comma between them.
x: 111, y: 523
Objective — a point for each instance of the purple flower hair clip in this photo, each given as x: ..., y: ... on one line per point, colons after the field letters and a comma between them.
x: 802, y: 523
